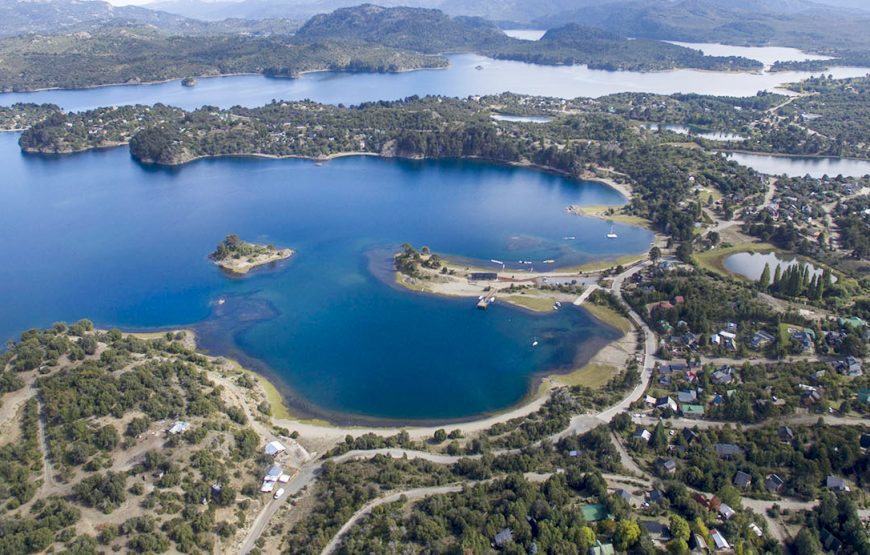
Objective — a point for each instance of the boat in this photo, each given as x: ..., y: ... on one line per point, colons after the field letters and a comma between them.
x: 478, y: 68
x: 569, y: 238
x: 535, y: 343
x: 221, y: 301
x: 612, y: 234
x: 559, y: 304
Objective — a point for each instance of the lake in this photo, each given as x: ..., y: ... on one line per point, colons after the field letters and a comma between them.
x: 709, y: 135
x: 798, y: 166
x: 764, y: 54
x: 461, y: 79
x: 95, y: 235
x: 751, y: 264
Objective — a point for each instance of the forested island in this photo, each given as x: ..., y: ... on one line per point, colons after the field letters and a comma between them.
x: 240, y: 257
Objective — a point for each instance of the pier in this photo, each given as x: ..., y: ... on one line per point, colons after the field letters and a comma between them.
x: 486, y: 300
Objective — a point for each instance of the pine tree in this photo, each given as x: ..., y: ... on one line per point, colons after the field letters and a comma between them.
x: 764, y: 280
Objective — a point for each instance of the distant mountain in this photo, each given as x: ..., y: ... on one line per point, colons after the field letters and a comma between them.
x: 796, y: 23
x: 20, y: 17
x: 268, y: 9
x: 49, y: 16
x: 419, y: 29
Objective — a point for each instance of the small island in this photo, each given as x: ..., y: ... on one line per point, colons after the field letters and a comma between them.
x: 240, y: 257
x: 188, y: 82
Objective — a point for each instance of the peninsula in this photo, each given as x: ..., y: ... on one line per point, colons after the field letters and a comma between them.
x: 240, y: 257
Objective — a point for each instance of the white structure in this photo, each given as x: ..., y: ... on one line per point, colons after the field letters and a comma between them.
x: 179, y: 427
x: 275, y: 447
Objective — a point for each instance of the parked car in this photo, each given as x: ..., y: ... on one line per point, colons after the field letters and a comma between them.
x: 279, y: 493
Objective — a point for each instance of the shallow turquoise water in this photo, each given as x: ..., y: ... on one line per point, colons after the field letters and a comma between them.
x: 97, y: 236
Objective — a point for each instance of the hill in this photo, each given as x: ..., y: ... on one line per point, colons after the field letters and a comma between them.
x: 797, y: 23
x: 420, y: 29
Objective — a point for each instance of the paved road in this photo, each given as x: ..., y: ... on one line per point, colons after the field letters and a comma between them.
x: 795, y: 420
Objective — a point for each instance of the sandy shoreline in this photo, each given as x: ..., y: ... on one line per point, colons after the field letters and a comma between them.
x: 243, y: 266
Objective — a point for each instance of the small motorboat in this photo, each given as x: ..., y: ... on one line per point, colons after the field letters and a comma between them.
x: 569, y: 237
x: 535, y: 343
x: 221, y: 301
x: 612, y: 234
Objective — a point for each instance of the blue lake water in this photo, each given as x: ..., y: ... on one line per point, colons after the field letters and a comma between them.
x: 97, y: 236
x: 461, y: 79
x: 799, y: 166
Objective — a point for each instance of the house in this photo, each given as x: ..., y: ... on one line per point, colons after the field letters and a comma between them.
x: 864, y: 396
x: 689, y: 435
x: 719, y: 540
x: 773, y: 483
x: 865, y: 441
x: 697, y: 543
x: 666, y: 403
x: 626, y: 496
x: 851, y: 367
x: 273, y: 473
x: 179, y: 427
x: 731, y: 327
x: 687, y: 396
x: 723, y: 376
x: 503, y: 537
x: 602, y: 549
x: 679, y: 299
x: 755, y: 529
x: 656, y: 530
x: 761, y: 339
x: 692, y: 411
x: 726, y: 512
x: 649, y: 400
x: 853, y: 322
x: 267, y: 487
x: 728, y: 340
x: 742, y: 480
x: 727, y: 450
x: 655, y: 496
x: 666, y: 466
x: 785, y: 434
x: 804, y: 337
x: 273, y: 448
x: 834, y: 483
x: 830, y: 542
x: 642, y: 434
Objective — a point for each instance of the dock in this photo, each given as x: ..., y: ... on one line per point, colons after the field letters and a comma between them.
x: 585, y: 295
x: 486, y: 300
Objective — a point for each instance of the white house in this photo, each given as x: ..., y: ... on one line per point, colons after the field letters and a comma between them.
x: 275, y: 447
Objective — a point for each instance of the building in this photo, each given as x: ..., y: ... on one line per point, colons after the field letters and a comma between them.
x: 719, y: 540
x: 851, y: 367
x: 689, y: 435
x: 687, y: 396
x: 504, y: 536
x: 179, y: 427
x: 665, y: 403
x: 483, y: 276
x: 666, y: 466
x: 761, y: 339
x: 773, y: 483
x: 602, y: 549
x: 835, y: 483
x: 726, y: 512
x: 626, y: 496
x: 723, y: 376
x: 656, y: 530
x: 742, y: 480
x: 785, y: 434
x: 727, y: 450
x: 273, y: 448
x: 642, y: 434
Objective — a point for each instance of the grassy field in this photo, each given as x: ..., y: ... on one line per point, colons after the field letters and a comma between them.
x: 592, y: 375
x: 714, y: 260
x: 531, y: 302
x: 601, y: 211
x: 609, y: 316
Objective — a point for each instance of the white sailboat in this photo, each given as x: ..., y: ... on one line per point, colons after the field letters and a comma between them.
x: 612, y: 234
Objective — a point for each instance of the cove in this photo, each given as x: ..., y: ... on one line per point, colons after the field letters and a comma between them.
x: 798, y: 166
x: 468, y: 74
x: 95, y: 235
